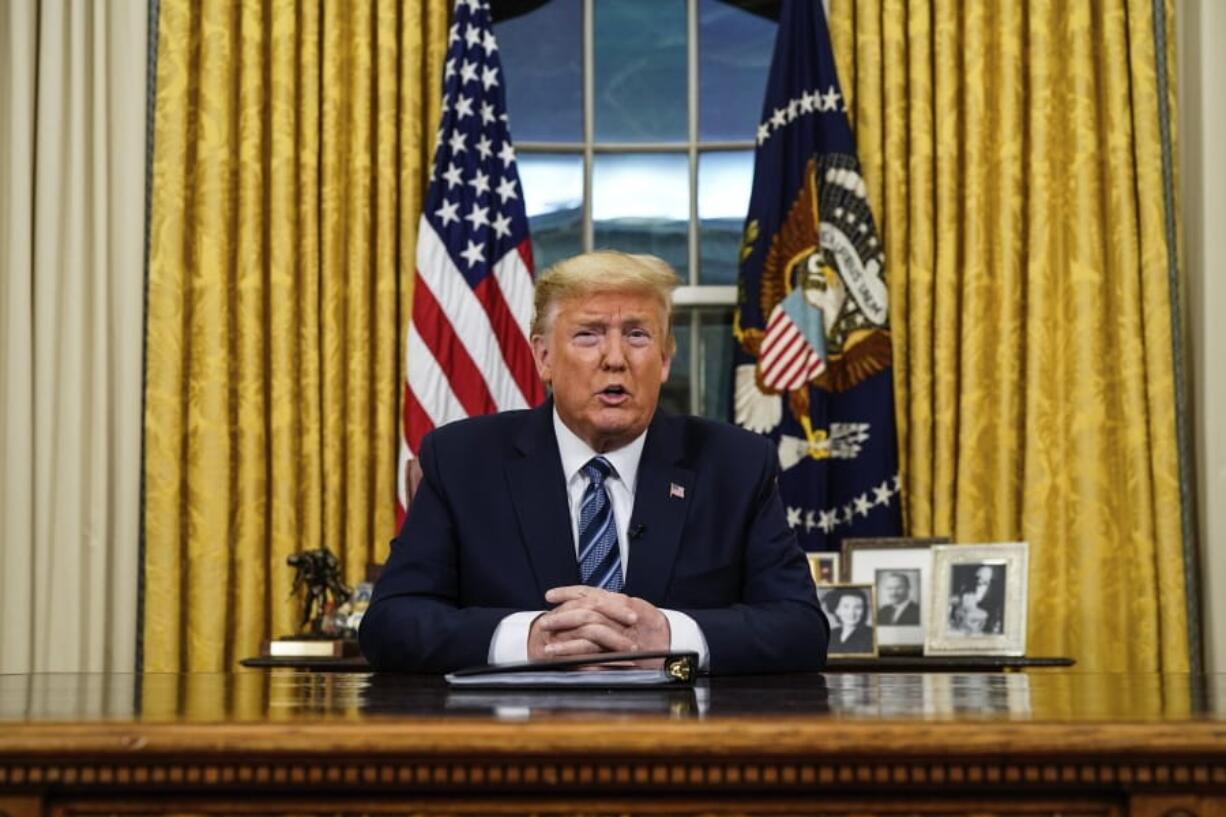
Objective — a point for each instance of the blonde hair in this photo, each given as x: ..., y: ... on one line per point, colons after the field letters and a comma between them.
x: 602, y: 271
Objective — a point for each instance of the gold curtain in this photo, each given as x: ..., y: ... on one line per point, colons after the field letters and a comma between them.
x: 1013, y: 154
x: 292, y: 144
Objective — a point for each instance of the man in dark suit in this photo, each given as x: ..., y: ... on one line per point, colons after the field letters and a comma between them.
x: 898, y: 610
x: 595, y: 523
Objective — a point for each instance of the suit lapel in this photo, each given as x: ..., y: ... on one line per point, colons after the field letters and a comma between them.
x: 662, y: 496
x: 538, y: 491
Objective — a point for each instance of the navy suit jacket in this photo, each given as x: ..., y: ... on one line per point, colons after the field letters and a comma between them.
x: 489, y: 531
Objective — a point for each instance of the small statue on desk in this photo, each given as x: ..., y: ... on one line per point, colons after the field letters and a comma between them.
x: 320, y: 573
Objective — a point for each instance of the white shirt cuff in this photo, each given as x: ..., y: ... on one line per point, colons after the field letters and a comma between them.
x: 685, y: 635
x: 509, y: 644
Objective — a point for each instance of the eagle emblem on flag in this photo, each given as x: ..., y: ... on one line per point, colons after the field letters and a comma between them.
x: 823, y: 291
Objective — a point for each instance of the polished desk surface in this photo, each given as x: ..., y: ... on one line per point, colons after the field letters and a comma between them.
x: 282, y: 695
x: 276, y: 743
x: 283, y: 710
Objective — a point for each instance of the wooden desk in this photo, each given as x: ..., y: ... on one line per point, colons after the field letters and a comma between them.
x: 287, y: 742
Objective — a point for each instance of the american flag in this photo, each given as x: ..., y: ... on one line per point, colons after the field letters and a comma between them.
x: 794, y: 347
x: 467, y: 350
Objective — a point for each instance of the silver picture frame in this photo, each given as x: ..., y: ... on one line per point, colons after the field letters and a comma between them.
x: 978, y: 603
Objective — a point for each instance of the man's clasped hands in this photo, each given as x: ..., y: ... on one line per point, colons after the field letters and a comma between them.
x: 588, y: 620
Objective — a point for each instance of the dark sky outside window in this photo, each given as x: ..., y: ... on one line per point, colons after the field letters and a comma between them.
x: 640, y: 73
x: 542, y: 60
x: 734, y: 55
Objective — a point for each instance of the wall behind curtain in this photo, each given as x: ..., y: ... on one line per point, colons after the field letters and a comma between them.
x: 72, y: 159
x: 292, y: 144
x: 1202, y: 30
x: 1013, y: 153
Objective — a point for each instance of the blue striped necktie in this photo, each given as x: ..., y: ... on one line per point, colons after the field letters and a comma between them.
x: 600, y: 563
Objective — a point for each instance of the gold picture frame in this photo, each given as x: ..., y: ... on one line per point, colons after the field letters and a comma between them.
x: 824, y: 567
x: 896, y: 566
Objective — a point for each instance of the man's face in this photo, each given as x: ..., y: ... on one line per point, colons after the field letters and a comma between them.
x: 983, y: 576
x: 606, y: 357
x: 895, y: 589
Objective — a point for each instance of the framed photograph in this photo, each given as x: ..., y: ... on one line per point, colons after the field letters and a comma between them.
x: 901, y: 571
x: 824, y: 567
x: 853, y: 545
x: 850, y: 608
x: 978, y: 603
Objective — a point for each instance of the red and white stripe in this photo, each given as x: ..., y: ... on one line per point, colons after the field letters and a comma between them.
x: 786, y: 360
x: 468, y: 351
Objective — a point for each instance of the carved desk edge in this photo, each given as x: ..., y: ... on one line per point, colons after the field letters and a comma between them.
x: 715, y: 737
x: 723, y: 755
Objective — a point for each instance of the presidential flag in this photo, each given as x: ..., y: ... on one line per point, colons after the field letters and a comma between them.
x: 813, y: 359
x: 467, y: 350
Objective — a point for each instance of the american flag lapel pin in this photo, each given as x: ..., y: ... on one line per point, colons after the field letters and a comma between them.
x: 676, y: 491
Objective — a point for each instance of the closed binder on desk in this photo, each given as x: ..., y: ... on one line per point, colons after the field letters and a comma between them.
x: 601, y: 671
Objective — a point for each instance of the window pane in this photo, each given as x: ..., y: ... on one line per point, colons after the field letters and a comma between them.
x: 724, y: 181
x: 640, y: 70
x: 675, y: 395
x: 553, y: 197
x: 641, y: 203
x: 734, y: 56
x: 542, y: 60
x: 717, y: 345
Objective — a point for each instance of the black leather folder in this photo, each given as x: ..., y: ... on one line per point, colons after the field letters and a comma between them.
x: 600, y: 671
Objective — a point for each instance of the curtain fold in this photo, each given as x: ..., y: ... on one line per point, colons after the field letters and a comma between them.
x: 72, y: 150
x: 292, y: 145
x: 1013, y: 150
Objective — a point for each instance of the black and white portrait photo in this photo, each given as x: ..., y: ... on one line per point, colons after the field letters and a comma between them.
x: 849, y: 609
x: 977, y: 603
x: 898, y: 597
x: 977, y: 599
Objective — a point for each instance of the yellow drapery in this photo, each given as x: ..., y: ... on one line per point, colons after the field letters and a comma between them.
x: 1014, y: 158
x: 291, y: 151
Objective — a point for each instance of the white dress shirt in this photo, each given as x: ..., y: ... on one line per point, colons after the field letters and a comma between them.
x: 510, y: 640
